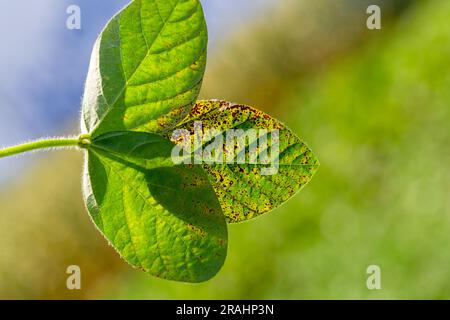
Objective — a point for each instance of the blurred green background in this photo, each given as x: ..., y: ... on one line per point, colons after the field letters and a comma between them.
x: 373, y: 105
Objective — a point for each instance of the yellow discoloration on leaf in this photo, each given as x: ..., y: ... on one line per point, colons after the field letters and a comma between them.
x: 242, y: 191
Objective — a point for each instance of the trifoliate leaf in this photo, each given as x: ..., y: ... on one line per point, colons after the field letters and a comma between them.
x: 166, y: 214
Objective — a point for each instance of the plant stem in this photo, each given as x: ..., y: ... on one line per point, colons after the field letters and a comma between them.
x: 83, y: 141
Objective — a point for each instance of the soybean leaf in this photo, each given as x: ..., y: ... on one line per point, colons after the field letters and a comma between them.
x: 243, y: 189
x: 162, y: 218
x: 146, y: 67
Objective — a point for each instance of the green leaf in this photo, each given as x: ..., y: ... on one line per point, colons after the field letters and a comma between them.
x: 162, y: 218
x: 146, y: 68
x: 165, y: 218
x: 243, y: 190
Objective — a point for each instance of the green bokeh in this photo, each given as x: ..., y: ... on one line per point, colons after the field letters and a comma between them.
x: 373, y: 105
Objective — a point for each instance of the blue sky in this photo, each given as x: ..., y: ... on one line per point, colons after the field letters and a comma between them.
x: 44, y: 64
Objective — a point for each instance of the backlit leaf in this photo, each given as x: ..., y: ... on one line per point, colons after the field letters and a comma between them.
x: 243, y: 190
x: 162, y: 218
x: 146, y: 68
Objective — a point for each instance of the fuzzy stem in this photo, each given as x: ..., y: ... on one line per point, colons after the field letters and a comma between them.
x: 83, y: 141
